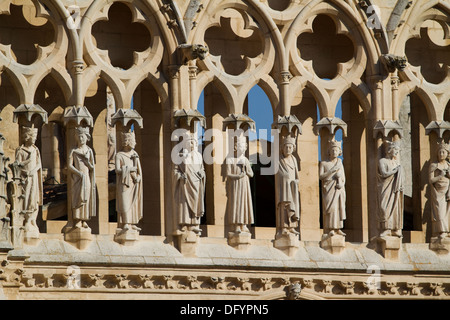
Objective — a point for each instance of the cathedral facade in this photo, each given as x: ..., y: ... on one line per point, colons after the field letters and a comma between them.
x: 133, y: 163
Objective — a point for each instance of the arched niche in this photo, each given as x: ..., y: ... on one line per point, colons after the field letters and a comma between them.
x: 215, y: 110
x: 304, y: 107
x: 355, y: 159
x: 149, y: 146
x: 259, y: 108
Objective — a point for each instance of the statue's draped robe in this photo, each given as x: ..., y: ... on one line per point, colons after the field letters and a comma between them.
x: 31, y: 174
x: 390, y: 196
x: 439, y: 195
x: 190, y: 193
x: 129, y: 193
x: 287, y: 193
x: 240, y: 206
x: 83, y: 188
x: 333, y: 199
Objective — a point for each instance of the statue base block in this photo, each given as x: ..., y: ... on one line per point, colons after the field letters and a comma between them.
x: 126, y: 237
x: 287, y: 243
x: 239, y: 241
x: 78, y: 237
x: 440, y: 245
x: 31, y: 237
x: 187, y: 243
x: 334, y: 244
x: 389, y: 247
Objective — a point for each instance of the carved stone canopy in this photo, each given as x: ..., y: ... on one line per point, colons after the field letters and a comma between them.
x: 385, y: 127
x: 439, y: 127
x: 290, y: 122
x: 332, y: 124
x: 78, y: 114
x: 188, y: 116
x: 239, y: 119
x: 126, y: 116
x: 27, y: 111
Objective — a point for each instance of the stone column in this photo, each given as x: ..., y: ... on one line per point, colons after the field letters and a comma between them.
x: 75, y: 116
x: 123, y: 120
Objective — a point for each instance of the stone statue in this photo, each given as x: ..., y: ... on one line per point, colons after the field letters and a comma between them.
x: 190, y: 179
x: 332, y: 175
x: 287, y: 193
x: 390, y: 192
x: 238, y: 172
x: 81, y: 166
x: 28, y: 159
x: 439, y: 175
x: 129, y: 196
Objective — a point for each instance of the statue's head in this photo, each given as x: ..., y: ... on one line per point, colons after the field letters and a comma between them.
x: 29, y: 134
x: 392, y: 148
x: 190, y: 141
x: 288, y: 145
x: 334, y: 148
x: 82, y: 134
x: 128, y: 139
x: 241, y: 144
x: 443, y: 150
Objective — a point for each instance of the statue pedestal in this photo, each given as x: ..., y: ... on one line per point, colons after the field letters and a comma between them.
x: 334, y: 244
x: 389, y: 247
x: 187, y: 243
x: 78, y: 237
x: 439, y: 245
x: 287, y: 243
x: 31, y: 236
x: 126, y: 237
x: 239, y: 241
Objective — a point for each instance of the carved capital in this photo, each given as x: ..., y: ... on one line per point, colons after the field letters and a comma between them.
x: 190, y: 52
x: 286, y: 77
x: 78, y: 66
x: 392, y: 62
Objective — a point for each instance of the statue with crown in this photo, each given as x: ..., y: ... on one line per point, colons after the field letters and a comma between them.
x: 439, y: 180
x: 332, y: 175
x: 81, y: 166
x: 390, y: 191
x: 190, y: 180
x: 28, y: 160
